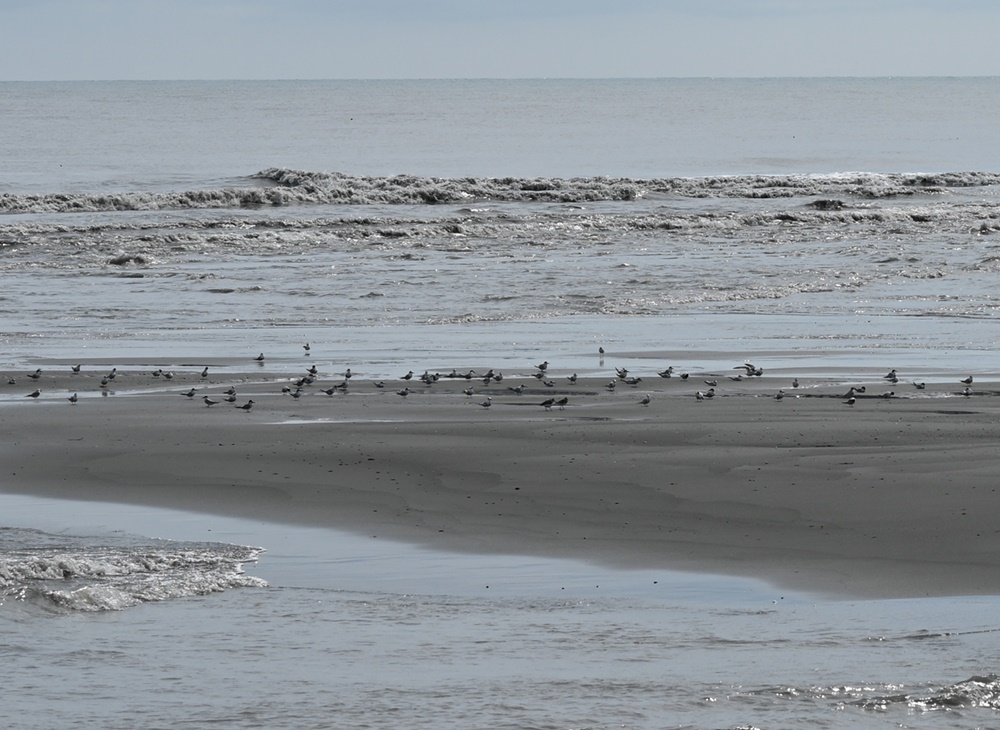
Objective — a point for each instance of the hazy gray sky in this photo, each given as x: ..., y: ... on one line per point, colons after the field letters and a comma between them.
x: 307, y: 39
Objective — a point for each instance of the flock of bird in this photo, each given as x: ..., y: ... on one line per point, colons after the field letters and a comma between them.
x: 296, y: 387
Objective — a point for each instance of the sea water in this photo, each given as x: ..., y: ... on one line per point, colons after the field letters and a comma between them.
x: 828, y: 224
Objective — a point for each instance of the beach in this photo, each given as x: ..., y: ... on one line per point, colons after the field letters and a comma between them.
x: 889, y: 496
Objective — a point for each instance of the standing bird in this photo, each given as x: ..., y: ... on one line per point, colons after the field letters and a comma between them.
x: 547, y: 403
x: 645, y: 400
x: 850, y: 401
x: 34, y: 394
x: 35, y: 375
x: 967, y: 381
x: 571, y: 378
x: 487, y: 403
x: 260, y: 357
x: 76, y: 368
x: 562, y: 402
x: 73, y: 398
x: 204, y: 373
x: 209, y: 402
x: 246, y: 406
x: 190, y: 393
x: 306, y: 347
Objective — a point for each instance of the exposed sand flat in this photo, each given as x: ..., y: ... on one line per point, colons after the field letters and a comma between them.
x: 887, y: 497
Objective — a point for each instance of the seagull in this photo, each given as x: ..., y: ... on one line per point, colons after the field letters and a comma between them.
x: 967, y: 381
x: 888, y: 394
x: 313, y: 370
x: 73, y: 398
x: 633, y: 381
x: 850, y: 401
x: 966, y: 392
x: 622, y: 372
x: 699, y: 395
x: 890, y: 375
x: 246, y: 406
x: 105, y: 381
x: 407, y: 376
x: 547, y: 403
x: 76, y: 368
x: 347, y: 374
x: 850, y: 392
x: 168, y: 376
x: 157, y: 373
x: 260, y: 357
x: 468, y: 391
x: 710, y: 393
x: 543, y: 366
x: 35, y: 375
x: 645, y: 401
x: 487, y: 403
x: 190, y: 393
x: 297, y: 393
x: 736, y: 378
x: 209, y: 402
x: 684, y: 376
x: 518, y: 390
x: 668, y: 373
x: 404, y: 392
x: 611, y: 385
x: 329, y: 391
x: 204, y: 373
x: 571, y: 378
x: 34, y: 394
x: 562, y: 402
x: 230, y: 391
x: 549, y: 383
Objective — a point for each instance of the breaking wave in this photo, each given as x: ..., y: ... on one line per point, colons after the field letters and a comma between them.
x: 60, y: 574
x: 278, y: 187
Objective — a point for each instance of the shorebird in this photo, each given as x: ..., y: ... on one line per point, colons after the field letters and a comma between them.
x: 779, y: 395
x: 966, y: 392
x: 306, y: 347
x: 230, y: 398
x: 11, y: 381
x: 246, y: 406
x: 204, y: 373
x: 571, y: 378
x: 850, y: 401
x: 543, y: 366
x: 516, y: 390
x: 34, y: 394
x: 73, y: 398
x: 404, y: 392
x: 622, y: 372
x: 487, y: 403
x: 379, y: 384
x: 645, y: 400
x: 562, y: 402
x: 329, y: 391
x: 795, y: 383
x: 600, y: 351
x: 407, y: 376
x: 209, y: 402
x: 168, y: 375
x: 313, y: 370
x: 297, y: 393
x: 684, y: 376
x: 157, y: 373
x: 736, y: 378
x: 230, y: 391
x: 633, y: 381
x: 920, y: 386
x: 967, y: 381
x: 105, y: 381
x: 260, y: 357
x: 76, y: 368
x: 711, y: 383
x: 888, y: 394
x: 113, y: 374
x: 890, y: 375
x: 668, y: 373
x: 699, y: 395
x: 468, y: 391
x: 549, y: 383
x: 35, y: 375
x: 347, y: 374
x: 547, y: 403
x: 190, y: 393
x: 710, y: 393
x: 611, y: 385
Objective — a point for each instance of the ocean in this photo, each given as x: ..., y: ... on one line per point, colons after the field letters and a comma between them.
x: 828, y: 225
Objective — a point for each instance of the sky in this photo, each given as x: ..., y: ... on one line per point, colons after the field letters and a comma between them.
x: 363, y: 39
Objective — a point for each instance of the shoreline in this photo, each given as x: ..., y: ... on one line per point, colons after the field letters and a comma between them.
x: 891, y: 497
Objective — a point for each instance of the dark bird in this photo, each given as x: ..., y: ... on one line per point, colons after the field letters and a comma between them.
x: 204, y: 373
x: 850, y: 401
x: 562, y: 402
x: 404, y: 392
x: 920, y: 386
x: 34, y: 394
x: 35, y: 375
x: 407, y: 376
x: 113, y: 374
x: 543, y: 366
x: 668, y: 373
x: 571, y: 378
x: 306, y: 347
x: 379, y: 384
x: 548, y: 403
x: 209, y: 402
x: 487, y: 403
x: 260, y: 357
x: 711, y: 383
x: 246, y: 406
x: 76, y: 368
x: 190, y: 393
x: 645, y: 400
x: 967, y: 381
x: 73, y: 398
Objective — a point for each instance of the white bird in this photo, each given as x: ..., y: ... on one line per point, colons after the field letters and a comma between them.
x: 850, y: 401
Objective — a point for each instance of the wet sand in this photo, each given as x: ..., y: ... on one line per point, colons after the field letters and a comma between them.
x: 889, y: 497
